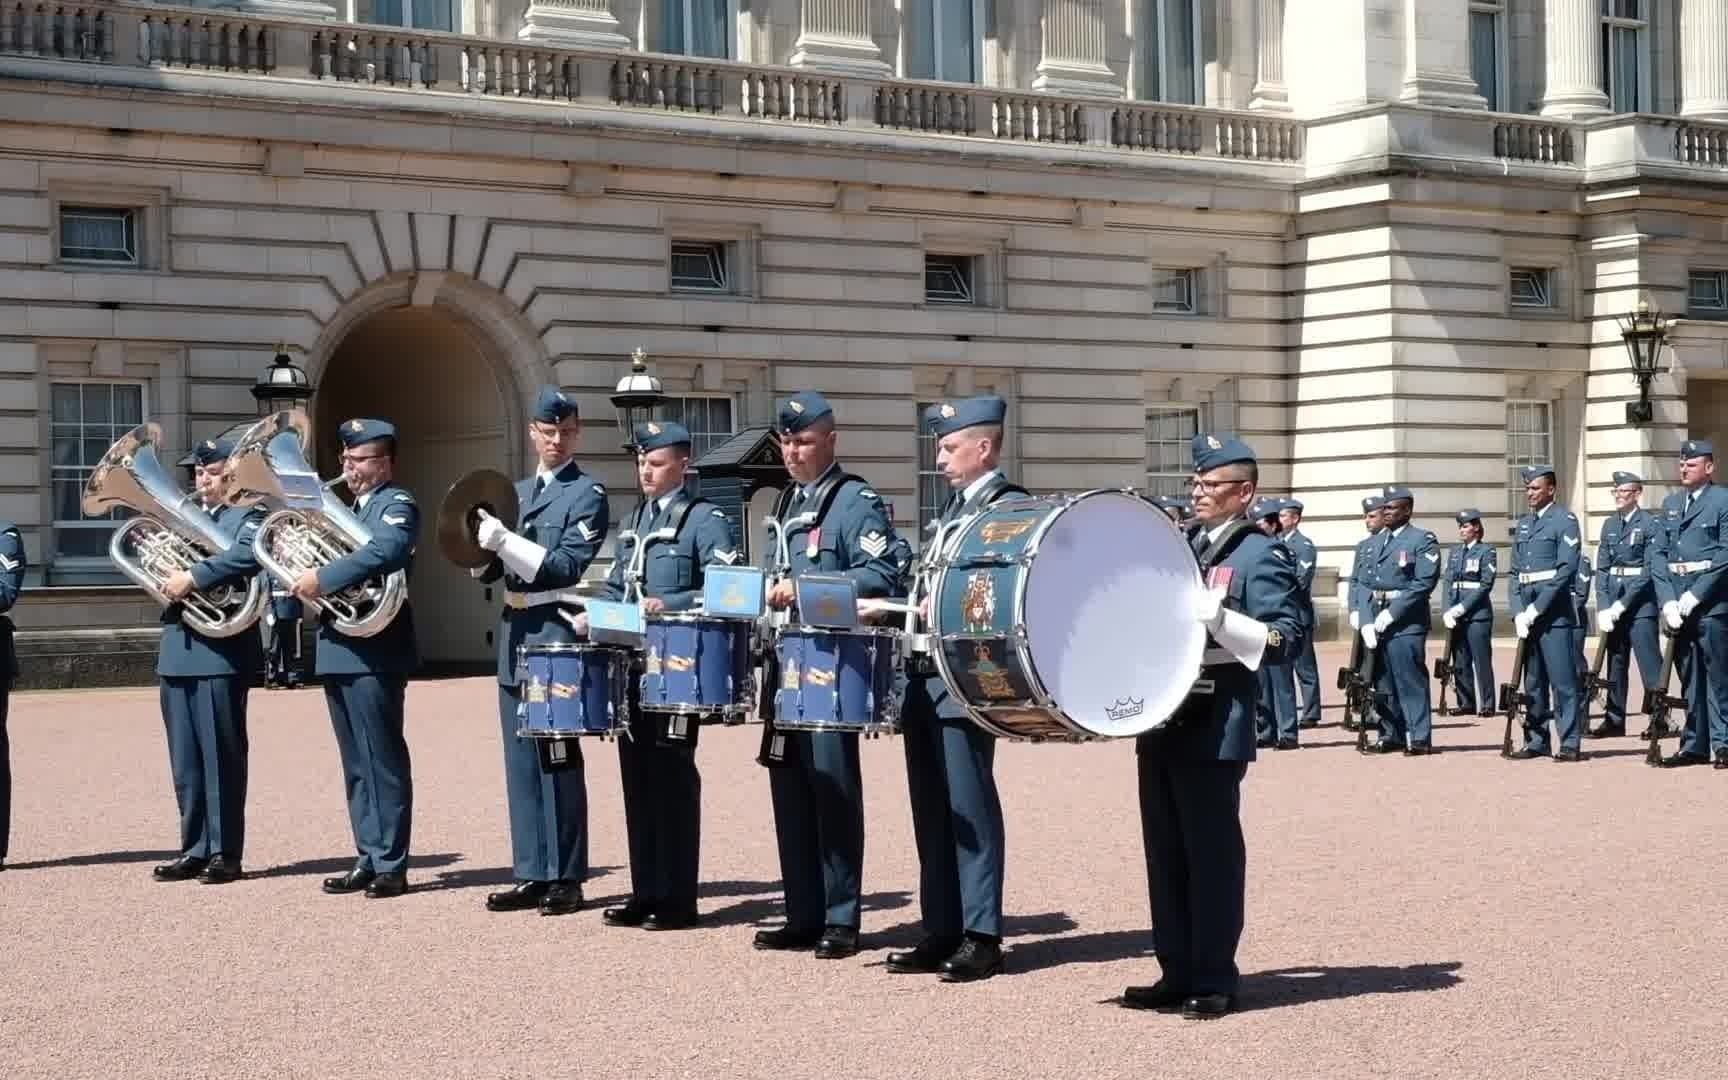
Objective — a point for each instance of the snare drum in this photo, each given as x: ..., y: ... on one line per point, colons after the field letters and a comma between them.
x: 698, y: 666
x: 573, y: 689
x: 837, y: 680
x: 1066, y: 617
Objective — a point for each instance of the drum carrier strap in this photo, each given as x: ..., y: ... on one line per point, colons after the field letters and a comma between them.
x: 672, y: 729
x: 999, y: 487
x: 1227, y: 542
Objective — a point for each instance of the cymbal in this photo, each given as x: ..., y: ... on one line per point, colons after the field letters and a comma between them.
x: 459, y: 517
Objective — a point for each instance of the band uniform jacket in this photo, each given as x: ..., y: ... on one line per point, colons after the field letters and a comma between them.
x: 1307, y: 561
x: 1401, y: 573
x: 12, y: 566
x: 1691, y: 553
x: 393, y: 519
x: 1546, y: 545
x: 1623, y: 545
x: 184, y: 651
x: 855, y: 539
x: 569, y: 518
x: 672, y: 570
x: 1259, y: 580
x: 1358, y: 568
x: 1470, y: 572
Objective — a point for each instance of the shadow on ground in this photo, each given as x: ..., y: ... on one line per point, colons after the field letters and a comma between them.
x: 96, y: 858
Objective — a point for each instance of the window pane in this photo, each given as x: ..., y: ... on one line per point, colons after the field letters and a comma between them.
x: 66, y: 405
x: 1485, y: 55
x: 1168, y: 433
x: 83, y: 543
x: 1177, y: 36
x: 434, y: 15
x: 98, y: 404
x: 100, y: 234
x: 954, y: 36
x: 128, y: 407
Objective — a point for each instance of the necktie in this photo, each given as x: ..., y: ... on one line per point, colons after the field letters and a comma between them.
x: 949, y: 508
x: 1201, y: 542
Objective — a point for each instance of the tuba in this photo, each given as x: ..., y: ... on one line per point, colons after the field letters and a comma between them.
x: 308, y: 527
x: 171, y: 533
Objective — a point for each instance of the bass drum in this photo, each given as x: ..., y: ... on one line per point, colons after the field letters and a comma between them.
x: 1066, y: 617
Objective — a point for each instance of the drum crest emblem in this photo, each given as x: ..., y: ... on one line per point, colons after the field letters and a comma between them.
x: 563, y: 691
x: 1000, y: 532
x: 993, y: 682
x: 819, y: 677
x: 789, y: 676
x: 680, y: 663
x: 978, y: 602
x: 653, y: 662
x: 536, y: 691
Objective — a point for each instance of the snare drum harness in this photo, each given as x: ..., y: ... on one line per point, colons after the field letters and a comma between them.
x: 672, y: 729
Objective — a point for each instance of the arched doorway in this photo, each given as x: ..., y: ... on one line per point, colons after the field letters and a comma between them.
x: 428, y: 372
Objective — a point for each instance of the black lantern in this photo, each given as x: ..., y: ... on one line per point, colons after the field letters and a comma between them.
x: 283, y: 386
x: 637, y: 398
x: 1644, y: 331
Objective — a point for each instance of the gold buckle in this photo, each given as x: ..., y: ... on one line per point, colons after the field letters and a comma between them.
x: 516, y: 600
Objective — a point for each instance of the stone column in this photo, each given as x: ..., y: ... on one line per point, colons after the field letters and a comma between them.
x: 1075, y: 57
x: 1270, y: 92
x: 835, y: 35
x: 1574, y: 59
x: 1704, y: 59
x: 572, y: 23
x: 1437, y: 55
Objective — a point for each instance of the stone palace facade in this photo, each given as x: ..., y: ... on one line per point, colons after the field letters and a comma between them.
x: 1385, y: 240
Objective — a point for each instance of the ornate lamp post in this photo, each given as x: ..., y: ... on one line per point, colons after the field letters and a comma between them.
x: 283, y: 386
x: 1644, y: 331
x: 637, y: 398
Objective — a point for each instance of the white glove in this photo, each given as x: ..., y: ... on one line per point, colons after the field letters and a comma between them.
x: 1688, y: 603
x: 1382, y: 621
x: 1209, y: 608
x: 1671, y: 615
x: 1370, y: 638
x: 491, y: 532
x: 1450, y: 618
x: 1608, y: 616
x: 522, y: 555
x: 1455, y: 612
x: 1521, y: 622
x: 1355, y: 620
x: 578, y: 621
x: 1243, y: 637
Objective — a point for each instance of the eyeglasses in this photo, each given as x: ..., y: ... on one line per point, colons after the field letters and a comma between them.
x: 355, y: 459
x: 1211, y: 487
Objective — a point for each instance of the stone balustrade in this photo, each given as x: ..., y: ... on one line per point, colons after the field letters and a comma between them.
x: 115, y: 32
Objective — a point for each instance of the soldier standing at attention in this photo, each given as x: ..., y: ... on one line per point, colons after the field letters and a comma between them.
x: 1403, y: 569
x: 1371, y: 508
x: 1545, y: 554
x: 1690, y: 560
x: 1306, y: 667
x: 1626, y: 599
x: 1276, y: 705
x: 1469, y: 590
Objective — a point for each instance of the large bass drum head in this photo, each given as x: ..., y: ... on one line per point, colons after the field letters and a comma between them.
x: 1108, y: 601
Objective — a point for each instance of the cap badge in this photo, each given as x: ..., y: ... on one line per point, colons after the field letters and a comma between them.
x: 795, y: 406
x: 1212, y: 443
x: 653, y: 429
x: 947, y: 411
x: 355, y: 425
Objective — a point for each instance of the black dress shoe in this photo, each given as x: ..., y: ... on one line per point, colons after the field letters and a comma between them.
x: 387, y: 886
x: 562, y: 898
x: 519, y: 897
x: 1420, y: 750
x: 1568, y: 755
x: 185, y: 868
x: 1385, y: 746
x: 671, y: 920
x: 1160, y: 996
x: 975, y: 959
x: 1207, y: 1006
x: 631, y: 914
x: 925, y: 958
x: 1288, y: 744
x: 837, y: 943
x: 1265, y: 744
x: 220, y: 871
x: 1606, y: 731
x: 786, y: 937
x: 1308, y: 723
x: 1525, y: 754
x: 1682, y: 759
x: 354, y: 880
x: 1721, y: 760
x: 1485, y: 713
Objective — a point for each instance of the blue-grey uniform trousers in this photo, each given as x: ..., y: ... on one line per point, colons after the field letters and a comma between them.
x: 818, y: 799
x: 5, y: 769
x: 548, y: 809
x: 1401, y: 680
x: 1275, y: 716
x: 956, y: 818
x: 1630, y: 637
x: 662, y: 816
x: 1551, y: 681
x: 1702, y: 659
x: 366, y: 713
x: 1473, y: 660
x: 205, y: 718
x: 1308, y: 680
x: 1196, y: 868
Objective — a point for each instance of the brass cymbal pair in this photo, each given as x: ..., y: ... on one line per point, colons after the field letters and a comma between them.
x: 458, y: 521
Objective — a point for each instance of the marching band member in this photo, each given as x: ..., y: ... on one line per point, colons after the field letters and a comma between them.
x: 950, y: 761
x: 662, y: 787
x: 1371, y: 508
x: 1626, y: 599
x: 203, y: 689
x: 366, y: 678
x: 561, y: 524
x: 1191, y: 770
x: 1545, y: 554
x: 1469, y: 590
x: 1307, y: 666
x: 1690, y: 564
x: 1392, y: 605
x: 282, y: 666
x: 834, y: 524
x: 12, y: 566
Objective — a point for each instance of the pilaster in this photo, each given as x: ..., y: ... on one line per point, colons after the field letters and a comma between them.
x: 1075, y: 49
x: 1437, y: 55
x: 1270, y: 93
x: 834, y: 36
x: 574, y: 23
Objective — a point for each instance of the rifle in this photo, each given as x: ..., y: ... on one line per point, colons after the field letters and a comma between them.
x: 1595, y: 683
x: 1361, y: 693
x: 1347, y: 680
x: 1444, y: 668
x: 1513, y: 699
x: 1658, y: 701
x: 772, y: 752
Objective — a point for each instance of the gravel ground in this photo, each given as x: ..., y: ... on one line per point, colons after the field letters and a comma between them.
x: 1450, y: 916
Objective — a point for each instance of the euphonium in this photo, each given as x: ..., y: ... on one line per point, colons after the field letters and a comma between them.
x: 308, y: 527
x: 170, y: 533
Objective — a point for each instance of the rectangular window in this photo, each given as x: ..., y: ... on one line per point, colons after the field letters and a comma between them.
x: 1170, y: 51
x: 696, y: 28
x: 700, y: 267
x: 1529, y: 441
x: 949, y: 279
x: 710, y: 422
x: 940, y: 40
x: 933, y: 487
x: 417, y: 14
x: 1531, y: 287
x: 1486, y: 27
x: 85, y: 420
x: 1624, y: 69
x: 1169, y: 457
x: 1707, y: 292
x: 1173, y: 291
x: 102, y: 234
